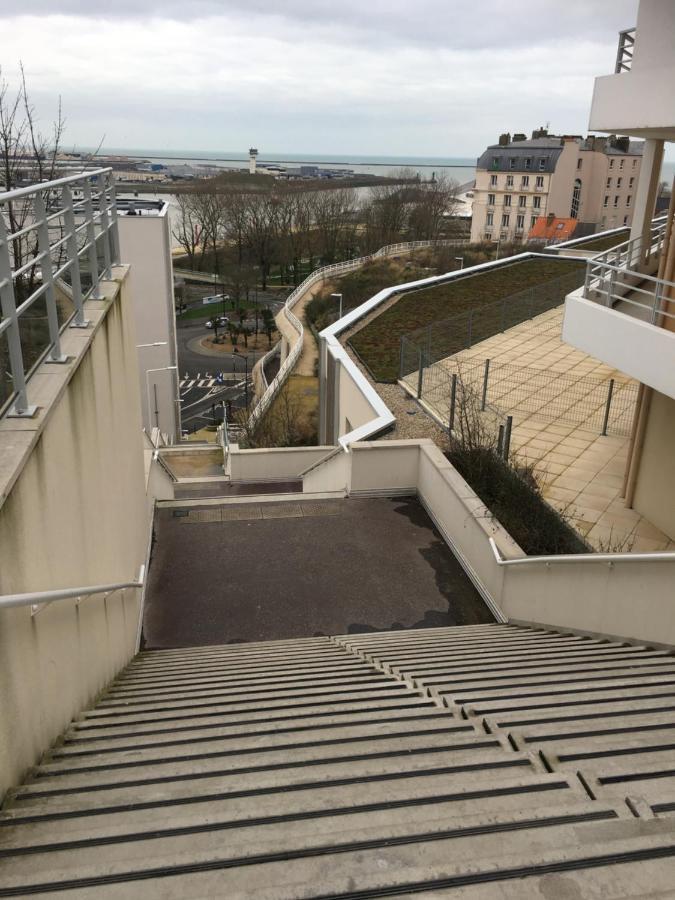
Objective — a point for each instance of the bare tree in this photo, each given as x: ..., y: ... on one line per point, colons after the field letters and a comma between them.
x: 334, y: 221
x: 187, y: 230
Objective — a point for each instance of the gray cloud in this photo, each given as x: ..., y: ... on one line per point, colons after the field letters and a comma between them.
x: 449, y: 23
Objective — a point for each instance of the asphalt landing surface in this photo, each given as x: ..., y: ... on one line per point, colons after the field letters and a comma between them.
x: 264, y: 571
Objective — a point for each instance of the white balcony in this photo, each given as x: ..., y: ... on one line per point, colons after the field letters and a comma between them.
x: 625, y: 316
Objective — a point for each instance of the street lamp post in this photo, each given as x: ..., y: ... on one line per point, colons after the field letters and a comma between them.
x: 339, y: 298
x: 147, y: 382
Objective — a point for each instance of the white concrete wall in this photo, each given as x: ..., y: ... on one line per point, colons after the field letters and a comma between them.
x: 145, y: 243
x: 72, y: 513
x: 643, y: 351
x: 272, y: 464
x: 655, y: 486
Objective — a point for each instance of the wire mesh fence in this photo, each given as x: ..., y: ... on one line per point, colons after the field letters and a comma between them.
x: 499, y: 390
x: 462, y: 331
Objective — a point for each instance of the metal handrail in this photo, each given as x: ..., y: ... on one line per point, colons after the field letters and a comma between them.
x: 569, y: 558
x: 36, y: 599
x: 53, y: 234
x: 624, y: 53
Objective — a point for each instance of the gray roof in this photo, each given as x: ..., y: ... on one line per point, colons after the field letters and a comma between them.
x: 497, y: 158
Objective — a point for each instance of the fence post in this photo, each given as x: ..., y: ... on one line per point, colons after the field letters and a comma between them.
x: 420, y: 374
x: 453, y: 402
x: 507, y: 437
x: 400, y: 358
x: 500, y: 440
x: 470, y: 326
x: 503, y: 314
x: 486, y: 374
x: 610, y: 391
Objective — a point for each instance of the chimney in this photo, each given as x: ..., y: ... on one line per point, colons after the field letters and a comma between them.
x: 519, y: 137
x: 504, y: 139
x: 622, y: 143
x: 539, y: 133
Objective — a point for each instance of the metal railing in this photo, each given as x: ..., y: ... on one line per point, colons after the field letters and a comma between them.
x: 609, y: 559
x: 619, y: 276
x: 624, y: 53
x: 317, y: 275
x: 57, y: 240
x: 37, y: 599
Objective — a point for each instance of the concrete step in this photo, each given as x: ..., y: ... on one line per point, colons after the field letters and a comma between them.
x: 380, y: 870
x: 260, y: 757
x: 568, y: 699
x: 641, y: 726
x: 170, y: 789
x: 584, y: 713
x: 335, y: 657
x: 322, y: 725
x: 310, y: 856
x: 508, y: 789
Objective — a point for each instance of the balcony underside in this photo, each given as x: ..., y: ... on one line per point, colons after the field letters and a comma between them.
x: 635, y: 103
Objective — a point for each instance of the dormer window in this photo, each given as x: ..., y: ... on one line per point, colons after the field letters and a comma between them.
x: 542, y: 163
x: 528, y: 162
x: 512, y: 162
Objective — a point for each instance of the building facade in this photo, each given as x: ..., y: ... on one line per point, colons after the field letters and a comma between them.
x: 592, y: 180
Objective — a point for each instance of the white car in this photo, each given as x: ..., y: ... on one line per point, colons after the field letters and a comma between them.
x: 215, y: 298
x: 219, y: 321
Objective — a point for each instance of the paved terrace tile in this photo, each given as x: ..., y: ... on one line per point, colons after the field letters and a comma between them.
x: 262, y: 571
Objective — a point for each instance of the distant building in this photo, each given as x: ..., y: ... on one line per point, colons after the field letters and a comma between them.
x: 591, y: 180
x: 252, y: 157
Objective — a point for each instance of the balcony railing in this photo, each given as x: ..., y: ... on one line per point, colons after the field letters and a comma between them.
x: 624, y: 54
x: 619, y: 277
x: 57, y: 240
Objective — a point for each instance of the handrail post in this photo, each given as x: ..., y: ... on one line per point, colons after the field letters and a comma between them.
x: 91, y: 241
x: 45, y: 262
x: 104, y: 224
x: 75, y: 277
x: 420, y: 373
x: 486, y: 374
x: 20, y: 407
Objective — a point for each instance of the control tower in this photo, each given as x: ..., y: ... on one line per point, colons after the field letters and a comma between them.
x: 252, y: 156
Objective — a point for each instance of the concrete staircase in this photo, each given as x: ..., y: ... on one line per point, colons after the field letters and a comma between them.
x: 480, y: 762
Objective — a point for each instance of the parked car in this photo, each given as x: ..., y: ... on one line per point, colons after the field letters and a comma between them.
x: 215, y: 298
x: 218, y: 321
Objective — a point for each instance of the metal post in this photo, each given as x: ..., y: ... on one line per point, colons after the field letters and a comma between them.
x: 75, y: 279
x: 45, y: 261
x: 610, y: 391
x: 610, y: 287
x: 470, y: 327
x: 104, y: 223
x: 453, y: 402
x: 91, y: 242
x: 420, y: 374
x: 503, y: 314
x: 500, y: 440
x: 20, y: 407
x: 507, y: 437
x: 486, y: 374
x: 400, y: 357
x: 114, y: 228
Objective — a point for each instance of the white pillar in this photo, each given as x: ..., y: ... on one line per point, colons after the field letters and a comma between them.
x: 645, y: 196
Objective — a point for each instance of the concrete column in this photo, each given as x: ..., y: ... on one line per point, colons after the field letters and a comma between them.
x: 645, y: 196
x: 322, y: 390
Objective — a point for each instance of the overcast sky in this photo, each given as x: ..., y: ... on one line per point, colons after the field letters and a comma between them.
x: 371, y: 77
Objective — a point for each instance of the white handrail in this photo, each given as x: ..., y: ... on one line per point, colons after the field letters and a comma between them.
x: 37, y: 598
x: 569, y: 558
x: 7, y: 196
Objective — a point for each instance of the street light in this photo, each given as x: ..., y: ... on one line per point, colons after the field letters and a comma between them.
x: 147, y: 382
x: 338, y: 297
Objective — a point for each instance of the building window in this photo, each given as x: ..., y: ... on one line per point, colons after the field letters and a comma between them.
x: 576, y: 195
x: 621, y: 162
x: 542, y: 163
x: 635, y: 162
x: 628, y: 199
x: 611, y: 163
x: 540, y: 181
x: 525, y: 181
x: 528, y: 162
x: 631, y: 182
x: 533, y: 221
x: 507, y: 200
x: 495, y: 162
x: 512, y: 162
x: 488, y: 235
x: 606, y: 203
x: 625, y: 220
x: 520, y: 222
x: 536, y: 202
x: 579, y: 162
x: 618, y: 182
x: 493, y: 181
x: 509, y: 180
x: 491, y: 199
x: 522, y: 201
x: 505, y: 220
x: 608, y: 183
x: 616, y: 200
x: 489, y: 219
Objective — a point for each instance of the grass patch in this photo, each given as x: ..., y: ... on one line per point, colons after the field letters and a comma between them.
x: 604, y: 243
x: 513, y: 496
x: 208, y: 311
x: 378, y: 344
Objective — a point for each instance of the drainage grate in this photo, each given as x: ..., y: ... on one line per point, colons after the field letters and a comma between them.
x: 249, y: 511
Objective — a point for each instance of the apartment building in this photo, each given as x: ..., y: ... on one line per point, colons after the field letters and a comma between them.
x: 518, y: 180
x: 625, y: 313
